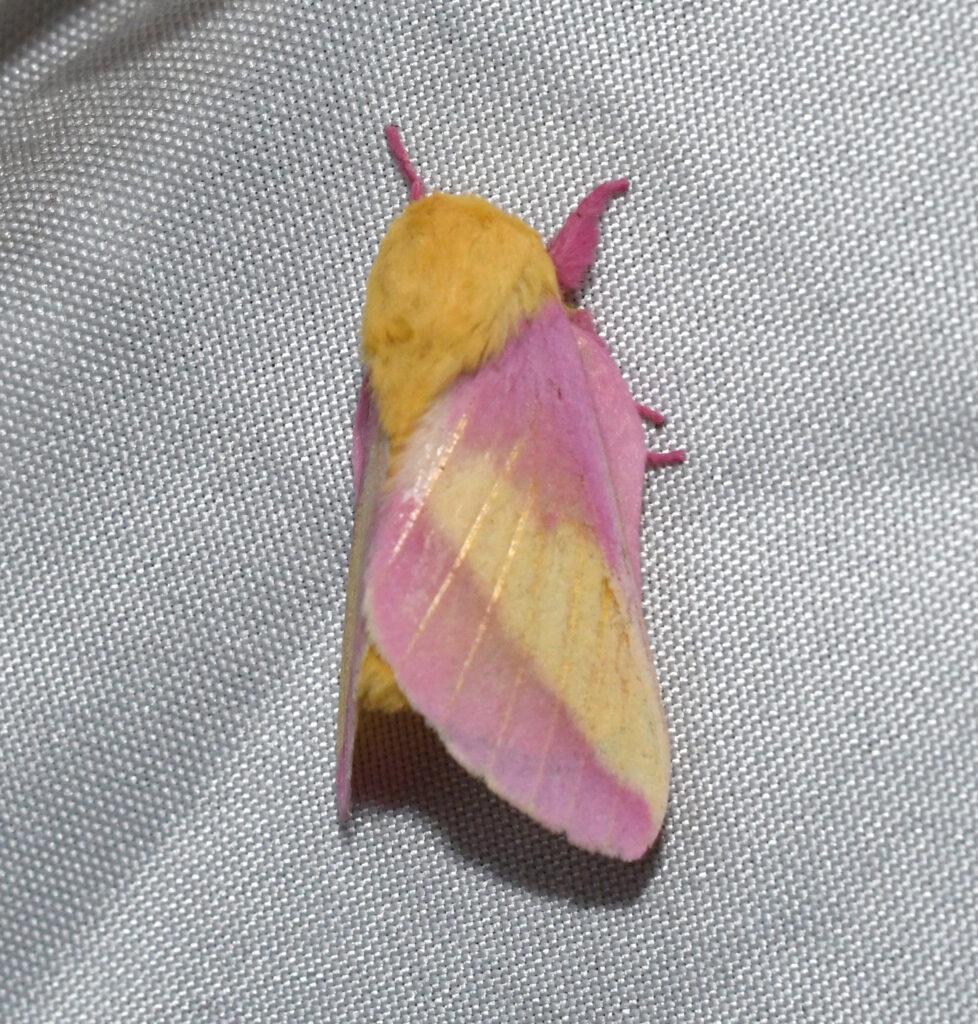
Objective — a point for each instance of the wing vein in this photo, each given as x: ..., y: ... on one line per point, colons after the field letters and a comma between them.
x: 602, y: 644
x: 561, y: 685
x: 439, y: 467
x: 494, y: 596
x: 613, y: 820
x: 467, y: 543
x: 537, y: 583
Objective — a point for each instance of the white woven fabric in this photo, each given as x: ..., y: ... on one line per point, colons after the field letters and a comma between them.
x: 191, y: 194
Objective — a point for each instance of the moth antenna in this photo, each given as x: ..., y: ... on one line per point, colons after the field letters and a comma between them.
x: 573, y: 247
x: 399, y: 153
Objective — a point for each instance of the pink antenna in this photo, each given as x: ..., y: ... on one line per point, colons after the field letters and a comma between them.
x: 572, y: 248
x: 399, y: 153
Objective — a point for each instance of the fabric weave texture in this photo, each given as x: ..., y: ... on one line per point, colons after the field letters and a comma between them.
x: 191, y: 195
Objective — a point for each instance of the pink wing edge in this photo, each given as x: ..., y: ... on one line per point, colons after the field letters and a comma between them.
x: 369, y: 476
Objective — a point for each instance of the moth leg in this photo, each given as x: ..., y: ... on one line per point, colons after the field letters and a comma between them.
x: 673, y: 458
x: 572, y: 249
x: 650, y: 415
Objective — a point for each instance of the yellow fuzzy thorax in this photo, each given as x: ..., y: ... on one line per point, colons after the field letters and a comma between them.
x: 453, y: 279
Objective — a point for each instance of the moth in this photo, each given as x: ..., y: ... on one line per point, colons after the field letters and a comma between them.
x: 494, y: 582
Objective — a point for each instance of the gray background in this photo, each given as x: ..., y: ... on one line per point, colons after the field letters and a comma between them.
x: 191, y: 194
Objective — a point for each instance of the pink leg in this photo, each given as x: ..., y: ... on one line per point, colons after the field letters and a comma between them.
x: 655, y: 418
x: 673, y: 458
x: 399, y: 153
x: 573, y: 247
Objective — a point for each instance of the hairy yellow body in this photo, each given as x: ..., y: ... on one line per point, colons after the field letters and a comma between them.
x: 453, y: 279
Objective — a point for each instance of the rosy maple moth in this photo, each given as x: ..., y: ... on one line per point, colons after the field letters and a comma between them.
x: 494, y: 582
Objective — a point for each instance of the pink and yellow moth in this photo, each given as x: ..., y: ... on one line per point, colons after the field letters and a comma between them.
x: 494, y: 582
